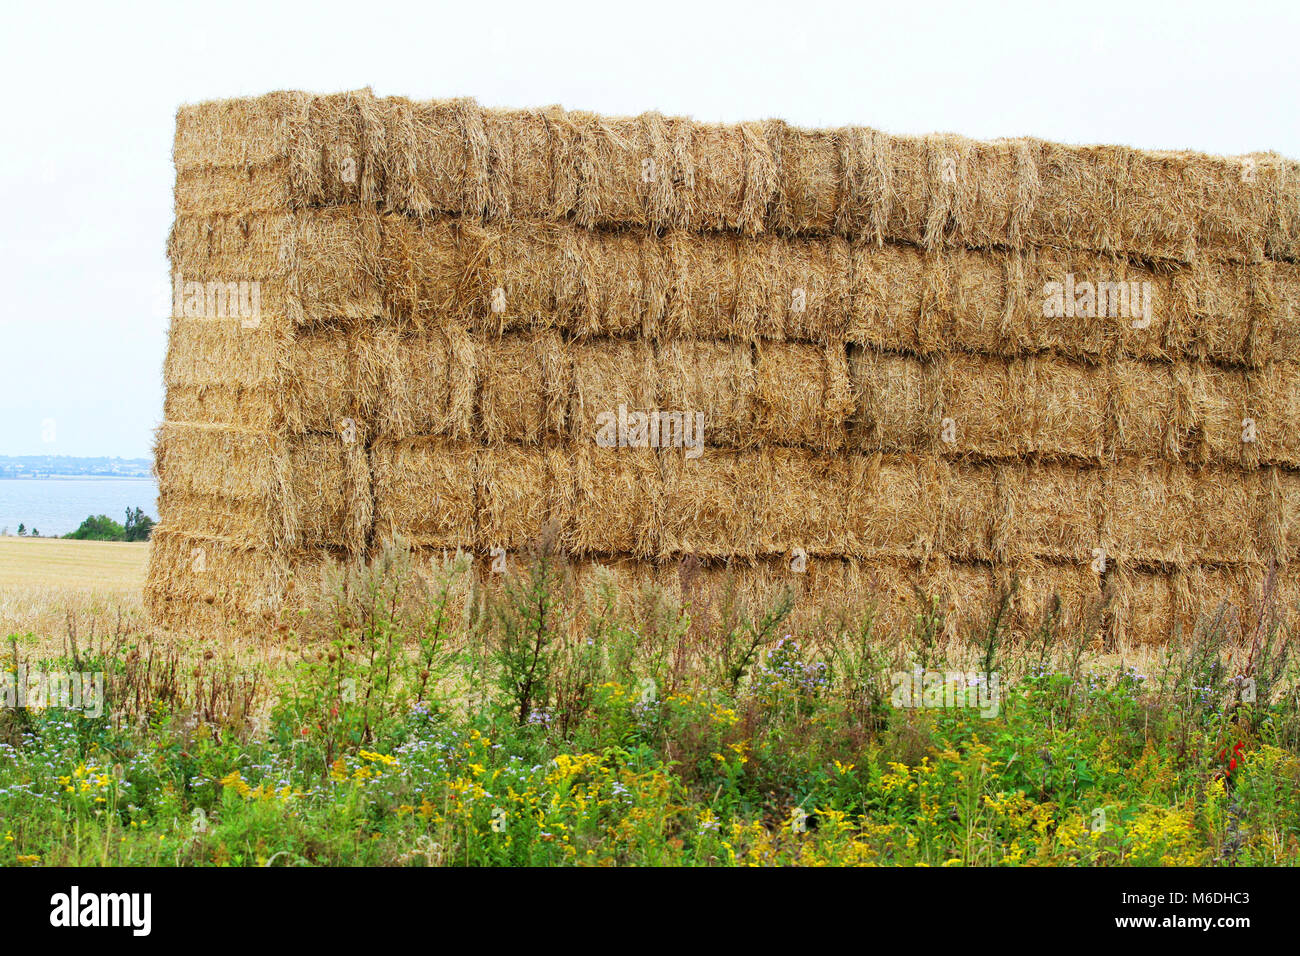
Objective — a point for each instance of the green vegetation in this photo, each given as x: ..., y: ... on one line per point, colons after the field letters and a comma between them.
x: 138, y: 527
x: 544, y: 726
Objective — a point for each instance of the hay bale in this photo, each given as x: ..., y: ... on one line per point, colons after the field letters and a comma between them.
x: 702, y: 286
x: 942, y: 166
x: 1221, y: 305
x: 1221, y: 402
x: 1286, y: 594
x: 1146, y: 608
x: 312, y: 267
x: 1068, y: 404
x: 203, y: 580
x: 220, y: 372
x: 1160, y: 608
x: 961, y: 593
x: 324, y: 386
x: 413, y: 374
x: 330, y: 480
x: 1048, y: 511
x: 1150, y: 508
x: 448, y: 274
x: 968, y: 508
x: 1273, y: 401
x: 976, y: 303
x: 238, y: 133
x: 1231, y: 594
x: 710, y: 505
x: 521, y: 169
x: 516, y: 276
x: 802, y: 395
x: 614, y: 267
x: 1077, y: 183
x: 427, y: 382
x: 1068, y: 594
x: 264, y: 379
x: 256, y: 409
x: 716, y: 378
x: 888, y: 590
x: 1277, y: 336
x: 1032, y: 320
x: 220, y: 191
x: 453, y: 156
x: 797, y: 291
x: 1280, y: 489
x: 1149, y: 410
x: 426, y: 492
x: 597, y: 168
x: 807, y: 197
x: 440, y: 150
x: 273, y: 493
x: 608, y: 375
x: 523, y: 387
x: 256, y: 469
x: 426, y: 273
x: 799, y: 499
x: 866, y: 191
x: 717, y: 590
x: 338, y: 156
x: 982, y: 410
x: 614, y: 501
x: 1170, y: 515
x: 520, y: 491
x: 885, y: 304
x: 719, y: 158
x: 891, y: 508
x: 895, y: 402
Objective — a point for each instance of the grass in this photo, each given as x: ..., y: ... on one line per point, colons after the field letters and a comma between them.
x: 548, y: 726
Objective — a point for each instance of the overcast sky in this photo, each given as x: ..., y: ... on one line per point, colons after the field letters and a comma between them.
x: 93, y: 90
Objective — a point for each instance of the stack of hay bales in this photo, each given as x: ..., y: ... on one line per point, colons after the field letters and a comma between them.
x: 923, y: 362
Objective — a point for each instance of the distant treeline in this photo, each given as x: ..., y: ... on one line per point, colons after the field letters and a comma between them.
x: 138, y: 527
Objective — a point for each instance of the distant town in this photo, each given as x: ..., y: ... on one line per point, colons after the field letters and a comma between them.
x: 67, y: 466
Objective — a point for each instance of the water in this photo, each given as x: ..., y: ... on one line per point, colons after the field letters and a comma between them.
x: 55, y: 506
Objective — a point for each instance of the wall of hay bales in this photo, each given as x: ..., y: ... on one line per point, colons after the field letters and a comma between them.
x: 450, y: 297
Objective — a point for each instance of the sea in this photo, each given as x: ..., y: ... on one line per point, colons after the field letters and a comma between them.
x: 56, y: 506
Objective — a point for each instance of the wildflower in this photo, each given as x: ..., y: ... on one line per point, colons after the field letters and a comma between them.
x: 235, y: 780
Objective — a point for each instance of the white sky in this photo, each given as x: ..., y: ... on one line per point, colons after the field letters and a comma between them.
x: 86, y: 166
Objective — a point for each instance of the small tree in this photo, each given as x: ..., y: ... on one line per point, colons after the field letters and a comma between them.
x: 530, y: 617
x: 22, y: 529
x: 138, y: 525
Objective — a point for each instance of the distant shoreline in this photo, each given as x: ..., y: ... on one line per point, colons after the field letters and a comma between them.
x: 76, y: 478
